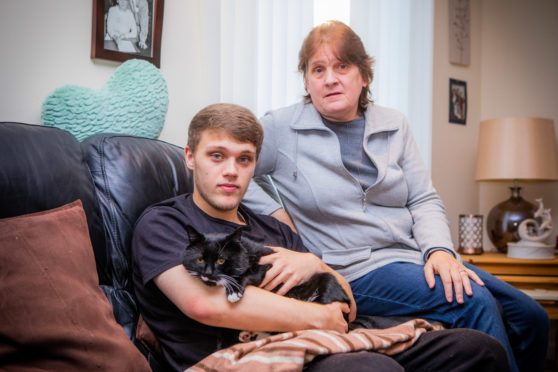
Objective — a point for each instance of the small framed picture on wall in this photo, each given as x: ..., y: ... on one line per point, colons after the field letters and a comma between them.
x: 126, y: 29
x: 457, y: 101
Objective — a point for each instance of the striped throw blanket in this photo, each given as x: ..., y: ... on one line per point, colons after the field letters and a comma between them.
x: 289, y: 351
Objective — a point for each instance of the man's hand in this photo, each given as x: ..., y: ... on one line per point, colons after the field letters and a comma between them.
x: 289, y: 268
x: 334, y: 317
x: 454, y: 275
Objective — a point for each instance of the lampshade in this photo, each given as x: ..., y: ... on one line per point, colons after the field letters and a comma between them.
x: 514, y: 149
x: 517, y: 149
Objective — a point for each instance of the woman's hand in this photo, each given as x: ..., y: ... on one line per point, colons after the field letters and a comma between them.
x: 454, y: 275
x: 289, y: 268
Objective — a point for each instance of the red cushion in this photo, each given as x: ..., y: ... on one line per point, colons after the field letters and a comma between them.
x: 53, y: 315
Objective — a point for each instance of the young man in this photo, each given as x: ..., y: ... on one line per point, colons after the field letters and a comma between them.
x: 192, y: 320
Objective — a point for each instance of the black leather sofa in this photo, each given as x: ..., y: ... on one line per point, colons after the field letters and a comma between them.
x: 115, y: 176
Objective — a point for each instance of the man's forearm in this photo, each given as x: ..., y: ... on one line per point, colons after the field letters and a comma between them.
x: 258, y: 310
x: 261, y: 310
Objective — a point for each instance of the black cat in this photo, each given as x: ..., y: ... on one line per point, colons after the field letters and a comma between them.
x: 232, y: 262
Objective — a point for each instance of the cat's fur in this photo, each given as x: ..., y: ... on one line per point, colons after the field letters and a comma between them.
x: 232, y: 262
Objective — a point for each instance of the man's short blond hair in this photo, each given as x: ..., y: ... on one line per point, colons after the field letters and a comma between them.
x: 236, y: 120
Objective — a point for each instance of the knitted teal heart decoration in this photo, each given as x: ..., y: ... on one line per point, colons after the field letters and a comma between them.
x: 134, y: 101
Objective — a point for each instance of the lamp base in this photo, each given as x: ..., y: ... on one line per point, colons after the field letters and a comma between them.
x: 503, y: 220
x: 470, y: 250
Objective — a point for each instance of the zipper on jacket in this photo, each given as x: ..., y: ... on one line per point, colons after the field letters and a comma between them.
x: 364, y: 201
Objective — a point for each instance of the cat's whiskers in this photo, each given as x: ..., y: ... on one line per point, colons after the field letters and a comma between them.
x: 229, y: 282
x: 233, y: 289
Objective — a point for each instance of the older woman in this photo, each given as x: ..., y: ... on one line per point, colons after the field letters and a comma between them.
x: 121, y: 24
x: 353, y: 182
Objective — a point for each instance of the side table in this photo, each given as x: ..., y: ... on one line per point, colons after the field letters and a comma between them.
x: 537, y: 278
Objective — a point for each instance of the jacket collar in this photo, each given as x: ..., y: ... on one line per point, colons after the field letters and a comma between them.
x: 307, y: 117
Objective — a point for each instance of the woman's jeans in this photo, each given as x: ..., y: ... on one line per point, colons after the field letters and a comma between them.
x: 498, y: 309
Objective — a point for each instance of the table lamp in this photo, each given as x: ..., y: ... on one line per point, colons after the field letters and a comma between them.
x: 515, y: 149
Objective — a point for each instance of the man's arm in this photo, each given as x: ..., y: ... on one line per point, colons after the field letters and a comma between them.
x: 258, y: 310
x: 281, y: 215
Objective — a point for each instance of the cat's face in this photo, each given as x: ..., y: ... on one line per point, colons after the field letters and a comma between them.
x: 215, y: 258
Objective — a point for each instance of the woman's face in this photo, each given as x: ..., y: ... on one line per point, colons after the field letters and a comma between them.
x: 123, y: 4
x: 334, y: 86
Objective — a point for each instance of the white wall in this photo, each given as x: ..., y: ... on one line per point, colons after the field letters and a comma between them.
x: 454, y: 146
x: 520, y: 78
x: 512, y: 73
x: 46, y: 44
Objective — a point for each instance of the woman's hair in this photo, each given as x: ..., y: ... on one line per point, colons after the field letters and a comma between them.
x: 348, y: 48
x: 236, y: 120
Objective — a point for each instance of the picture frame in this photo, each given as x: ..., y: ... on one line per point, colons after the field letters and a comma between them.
x: 114, y: 36
x: 457, y: 101
x: 459, y: 32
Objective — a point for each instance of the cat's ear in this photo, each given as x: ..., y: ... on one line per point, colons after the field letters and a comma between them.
x: 236, y: 235
x: 193, y: 234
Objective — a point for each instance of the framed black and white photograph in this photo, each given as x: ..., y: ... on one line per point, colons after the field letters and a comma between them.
x: 457, y: 101
x: 126, y: 29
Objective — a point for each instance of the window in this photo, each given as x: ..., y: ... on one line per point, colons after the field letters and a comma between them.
x: 251, y: 54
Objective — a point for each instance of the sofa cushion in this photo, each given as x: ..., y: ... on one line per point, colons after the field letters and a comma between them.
x: 130, y: 173
x: 53, y: 315
x: 43, y: 168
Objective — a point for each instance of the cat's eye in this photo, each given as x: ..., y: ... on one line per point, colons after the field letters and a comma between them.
x: 220, y: 261
x: 199, y: 260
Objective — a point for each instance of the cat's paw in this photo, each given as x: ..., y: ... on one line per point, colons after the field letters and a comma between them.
x: 234, y: 296
x: 248, y: 336
x: 245, y: 336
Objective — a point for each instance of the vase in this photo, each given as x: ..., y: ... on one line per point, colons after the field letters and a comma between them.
x: 503, y: 220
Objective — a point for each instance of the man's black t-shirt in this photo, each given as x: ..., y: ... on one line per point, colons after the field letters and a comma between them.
x: 158, y: 243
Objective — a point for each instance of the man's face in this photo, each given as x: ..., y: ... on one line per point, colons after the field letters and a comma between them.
x: 223, y: 168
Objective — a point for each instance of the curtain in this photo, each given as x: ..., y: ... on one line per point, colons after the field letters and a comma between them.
x: 250, y: 54
x: 251, y: 51
x: 399, y: 35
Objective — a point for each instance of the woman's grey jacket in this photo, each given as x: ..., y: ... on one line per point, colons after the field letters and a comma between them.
x: 399, y: 218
